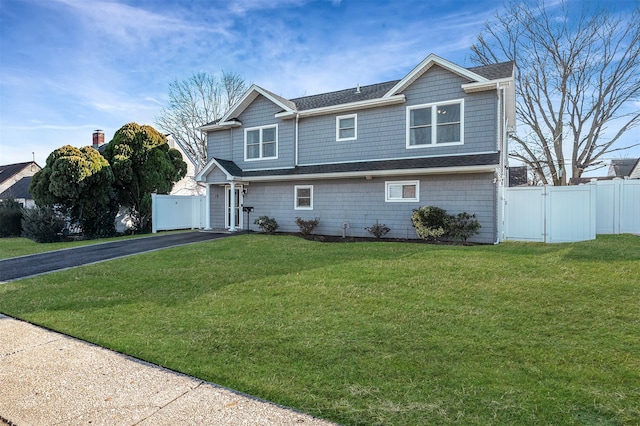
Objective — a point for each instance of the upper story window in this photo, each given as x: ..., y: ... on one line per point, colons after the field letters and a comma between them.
x: 435, y: 124
x: 261, y: 142
x: 347, y: 127
x: 402, y: 191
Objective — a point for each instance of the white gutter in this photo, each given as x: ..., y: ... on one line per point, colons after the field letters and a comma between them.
x: 373, y: 173
x: 487, y: 85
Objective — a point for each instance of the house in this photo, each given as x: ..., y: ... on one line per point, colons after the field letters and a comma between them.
x: 15, y: 180
x: 622, y: 167
x: 367, y: 154
x: 635, y: 170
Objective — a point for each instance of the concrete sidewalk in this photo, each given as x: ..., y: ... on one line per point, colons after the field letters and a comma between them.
x: 48, y: 378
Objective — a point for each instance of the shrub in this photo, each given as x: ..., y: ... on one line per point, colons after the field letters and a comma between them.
x: 307, y: 226
x: 10, y: 218
x: 430, y: 222
x: 42, y: 224
x: 267, y: 224
x: 378, y: 230
x: 463, y: 226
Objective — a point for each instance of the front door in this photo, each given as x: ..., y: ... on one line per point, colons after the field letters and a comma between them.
x: 238, y: 204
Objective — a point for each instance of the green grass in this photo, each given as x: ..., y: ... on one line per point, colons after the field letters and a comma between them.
x: 14, y: 247
x: 374, y: 333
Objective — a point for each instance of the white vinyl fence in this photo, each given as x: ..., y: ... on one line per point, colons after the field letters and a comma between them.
x: 177, y: 212
x: 556, y: 214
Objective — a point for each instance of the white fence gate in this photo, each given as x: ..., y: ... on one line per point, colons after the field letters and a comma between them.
x: 555, y: 214
x: 618, y: 209
x: 177, y: 212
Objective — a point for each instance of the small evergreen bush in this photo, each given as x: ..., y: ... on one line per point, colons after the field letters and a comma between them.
x: 10, y: 218
x: 463, y: 226
x: 42, y: 224
x: 378, y: 230
x: 307, y: 226
x: 267, y: 224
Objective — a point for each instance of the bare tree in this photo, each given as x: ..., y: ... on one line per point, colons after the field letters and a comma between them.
x: 577, y: 76
x: 194, y: 102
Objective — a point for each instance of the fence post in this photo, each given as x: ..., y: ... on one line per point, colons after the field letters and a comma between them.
x: 154, y: 213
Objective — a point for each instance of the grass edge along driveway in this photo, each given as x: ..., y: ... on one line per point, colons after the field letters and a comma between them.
x: 374, y: 333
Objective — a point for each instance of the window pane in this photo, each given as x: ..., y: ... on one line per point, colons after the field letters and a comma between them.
x: 448, y: 133
x: 420, y: 136
x: 346, y: 123
x: 448, y: 113
x: 253, y: 151
x: 304, y: 192
x: 304, y: 202
x: 269, y: 150
x: 395, y: 191
x: 269, y: 135
x: 420, y: 117
x: 408, y: 191
x: 253, y: 137
x: 347, y: 133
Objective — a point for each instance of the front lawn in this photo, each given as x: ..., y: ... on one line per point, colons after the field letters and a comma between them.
x: 374, y: 333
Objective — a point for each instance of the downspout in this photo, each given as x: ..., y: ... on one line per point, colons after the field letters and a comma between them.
x: 504, y: 142
x: 296, y: 141
x: 500, y: 170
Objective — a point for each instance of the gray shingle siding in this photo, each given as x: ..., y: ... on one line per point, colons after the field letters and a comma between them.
x: 361, y: 203
x: 382, y: 131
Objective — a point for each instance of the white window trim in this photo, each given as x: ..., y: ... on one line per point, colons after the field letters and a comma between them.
x: 261, y: 128
x: 355, y: 127
x: 295, y: 197
x: 387, y: 184
x: 434, y: 126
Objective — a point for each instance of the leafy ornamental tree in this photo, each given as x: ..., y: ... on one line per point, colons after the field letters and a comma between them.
x: 194, y: 102
x: 78, y: 180
x: 577, y: 72
x: 142, y: 163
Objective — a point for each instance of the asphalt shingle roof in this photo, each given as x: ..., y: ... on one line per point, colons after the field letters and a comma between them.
x: 369, y: 166
x: 9, y: 170
x: 20, y: 189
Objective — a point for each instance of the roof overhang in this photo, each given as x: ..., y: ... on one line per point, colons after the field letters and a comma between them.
x: 427, y: 63
x: 487, y: 85
x: 371, y: 103
x: 211, y: 166
x: 375, y: 173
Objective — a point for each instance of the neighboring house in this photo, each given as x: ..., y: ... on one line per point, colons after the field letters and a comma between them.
x: 368, y: 154
x: 187, y: 185
x: 15, y: 180
x: 635, y: 170
x: 622, y: 167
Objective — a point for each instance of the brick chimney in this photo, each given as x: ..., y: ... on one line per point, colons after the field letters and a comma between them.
x: 98, y: 138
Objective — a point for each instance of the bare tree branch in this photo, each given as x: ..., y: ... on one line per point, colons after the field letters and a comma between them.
x: 194, y: 102
x: 577, y: 75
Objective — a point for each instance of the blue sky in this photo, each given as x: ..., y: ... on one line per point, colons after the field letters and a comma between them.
x: 68, y: 67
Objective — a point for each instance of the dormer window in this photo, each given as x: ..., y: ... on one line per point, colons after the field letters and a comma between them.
x: 261, y: 143
x: 431, y: 125
x: 347, y: 127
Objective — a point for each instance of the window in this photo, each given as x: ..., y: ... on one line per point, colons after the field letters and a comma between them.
x: 303, y: 197
x: 435, y: 124
x: 261, y: 142
x: 347, y: 127
x: 402, y: 191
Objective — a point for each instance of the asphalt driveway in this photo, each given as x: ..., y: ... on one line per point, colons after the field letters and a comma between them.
x: 36, y: 264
